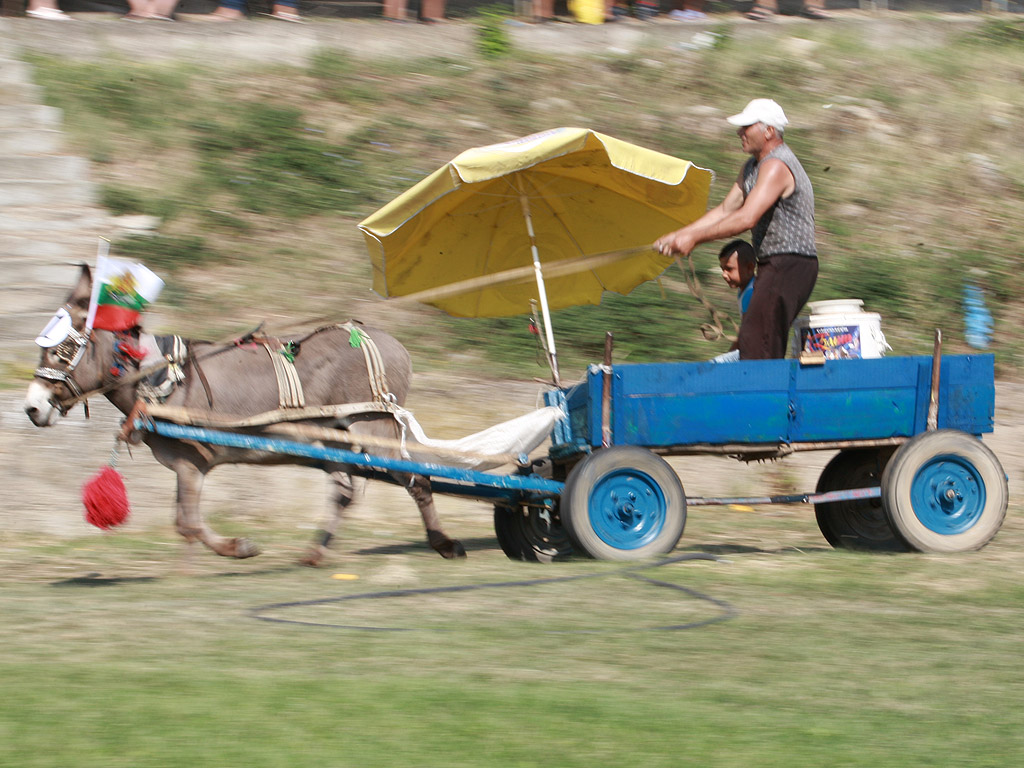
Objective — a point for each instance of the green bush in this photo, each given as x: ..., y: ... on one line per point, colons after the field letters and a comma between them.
x: 340, y: 79
x: 121, y: 200
x: 166, y: 254
x: 493, y: 41
x: 1001, y: 31
x: 273, y: 163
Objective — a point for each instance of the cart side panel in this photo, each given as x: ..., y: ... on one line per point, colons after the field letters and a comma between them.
x: 967, y: 394
x: 662, y: 404
x: 772, y: 401
x: 889, y: 397
x: 859, y: 399
x: 579, y: 403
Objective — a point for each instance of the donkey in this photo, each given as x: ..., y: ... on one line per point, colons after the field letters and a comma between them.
x: 240, y: 380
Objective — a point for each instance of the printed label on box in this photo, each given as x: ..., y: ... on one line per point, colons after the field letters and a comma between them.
x: 836, y: 342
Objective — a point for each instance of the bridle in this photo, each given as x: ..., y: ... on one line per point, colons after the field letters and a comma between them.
x: 70, y: 352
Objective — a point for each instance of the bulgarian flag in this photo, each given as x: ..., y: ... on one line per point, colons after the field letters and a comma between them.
x: 121, y: 290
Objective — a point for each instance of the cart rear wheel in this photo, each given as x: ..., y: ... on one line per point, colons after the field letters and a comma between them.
x: 856, y: 523
x: 530, y: 533
x: 945, y: 491
x: 623, y: 503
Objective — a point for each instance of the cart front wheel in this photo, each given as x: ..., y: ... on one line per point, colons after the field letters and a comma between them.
x: 623, y: 503
x: 532, y: 534
x: 856, y: 523
x: 945, y: 491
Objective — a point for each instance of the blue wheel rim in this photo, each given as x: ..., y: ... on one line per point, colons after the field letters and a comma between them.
x: 627, y: 509
x: 948, y: 495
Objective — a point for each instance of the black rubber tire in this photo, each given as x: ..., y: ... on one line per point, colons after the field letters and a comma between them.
x: 856, y: 524
x: 945, y: 491
x: 658, y: 516
x: 531, y: 534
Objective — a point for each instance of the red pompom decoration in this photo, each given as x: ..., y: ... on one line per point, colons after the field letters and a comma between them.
x: 105, y: 499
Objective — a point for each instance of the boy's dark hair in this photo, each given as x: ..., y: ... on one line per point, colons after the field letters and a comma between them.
x: 744, y: 251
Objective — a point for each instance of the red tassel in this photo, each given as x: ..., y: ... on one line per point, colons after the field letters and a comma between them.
x: 135, y: 353
x: 105, y: 499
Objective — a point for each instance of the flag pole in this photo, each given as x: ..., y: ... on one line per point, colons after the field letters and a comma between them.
x: 102, y: 251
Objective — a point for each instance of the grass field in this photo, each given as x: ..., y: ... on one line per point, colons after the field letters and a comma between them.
x: 120, y: 651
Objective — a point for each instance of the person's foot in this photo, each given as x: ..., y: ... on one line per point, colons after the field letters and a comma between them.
x: 688, y: 14
x: 760, y: 13
x: 48, y: 14
x: 813, y: 12
x: 294, y: 18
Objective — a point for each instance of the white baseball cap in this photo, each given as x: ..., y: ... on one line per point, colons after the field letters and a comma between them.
x: 761, y: 111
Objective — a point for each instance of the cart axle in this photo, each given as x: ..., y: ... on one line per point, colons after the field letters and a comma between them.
x: 853, y: 494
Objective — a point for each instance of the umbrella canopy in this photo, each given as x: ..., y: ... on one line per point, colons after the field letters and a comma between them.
x: 553, y: 199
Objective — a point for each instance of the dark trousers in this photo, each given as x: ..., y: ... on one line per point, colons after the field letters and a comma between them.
x: 784, y: 283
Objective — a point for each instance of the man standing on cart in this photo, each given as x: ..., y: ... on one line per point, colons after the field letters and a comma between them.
x: 773, y: 198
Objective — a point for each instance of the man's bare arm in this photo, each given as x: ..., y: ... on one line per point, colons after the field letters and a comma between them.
x: 734, y: 214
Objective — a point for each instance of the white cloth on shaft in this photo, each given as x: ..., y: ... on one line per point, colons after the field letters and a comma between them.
x: 519, y: 435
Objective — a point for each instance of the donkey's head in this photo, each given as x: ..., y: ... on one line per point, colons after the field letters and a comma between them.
x: 73, y: 361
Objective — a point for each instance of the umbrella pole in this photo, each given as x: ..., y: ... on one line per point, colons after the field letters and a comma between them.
x: 545, y: 313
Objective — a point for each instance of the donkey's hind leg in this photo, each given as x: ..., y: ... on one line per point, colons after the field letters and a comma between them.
x: 418, y: 487
x: 342, y: 497
x: 190, y: 523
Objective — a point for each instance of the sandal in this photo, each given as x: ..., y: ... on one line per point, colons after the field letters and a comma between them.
x: 294, y: 18
x: 812, y: 12
x: 49, y: 14
x: 760, y: 13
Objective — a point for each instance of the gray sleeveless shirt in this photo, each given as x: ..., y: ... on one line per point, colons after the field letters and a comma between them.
x: 788, y: 226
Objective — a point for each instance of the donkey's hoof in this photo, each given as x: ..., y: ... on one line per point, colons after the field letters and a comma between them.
x: 245, y: 548
x: 452, y: 550
x: 313, y: 557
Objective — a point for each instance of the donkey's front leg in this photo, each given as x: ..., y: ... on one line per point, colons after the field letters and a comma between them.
x: 190, y: 523
x: 418, y: 487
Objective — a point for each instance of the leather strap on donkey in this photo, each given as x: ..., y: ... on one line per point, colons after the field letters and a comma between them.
x: 174, y: 351
x: 358, y: 338
x: 289, y: 387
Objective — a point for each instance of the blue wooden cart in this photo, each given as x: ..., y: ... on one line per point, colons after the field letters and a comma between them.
x: 910, y: 474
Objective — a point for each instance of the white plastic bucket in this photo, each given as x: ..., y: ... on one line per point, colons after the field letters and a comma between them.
x: 840, y: 331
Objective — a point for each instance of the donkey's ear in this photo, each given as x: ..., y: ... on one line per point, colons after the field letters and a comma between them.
x: 82, y: 292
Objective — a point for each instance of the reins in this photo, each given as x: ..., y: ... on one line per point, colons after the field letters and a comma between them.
x: 712, y: 331
x: 149, y: 370
x: 219, y: 347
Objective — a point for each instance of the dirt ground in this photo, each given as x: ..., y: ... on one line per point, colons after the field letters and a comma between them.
x: 42, y: 470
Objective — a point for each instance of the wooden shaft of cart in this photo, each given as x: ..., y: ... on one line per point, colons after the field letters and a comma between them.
x: 465, y: 482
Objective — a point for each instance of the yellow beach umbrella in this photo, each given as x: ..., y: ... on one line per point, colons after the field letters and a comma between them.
x: 477, y: 237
